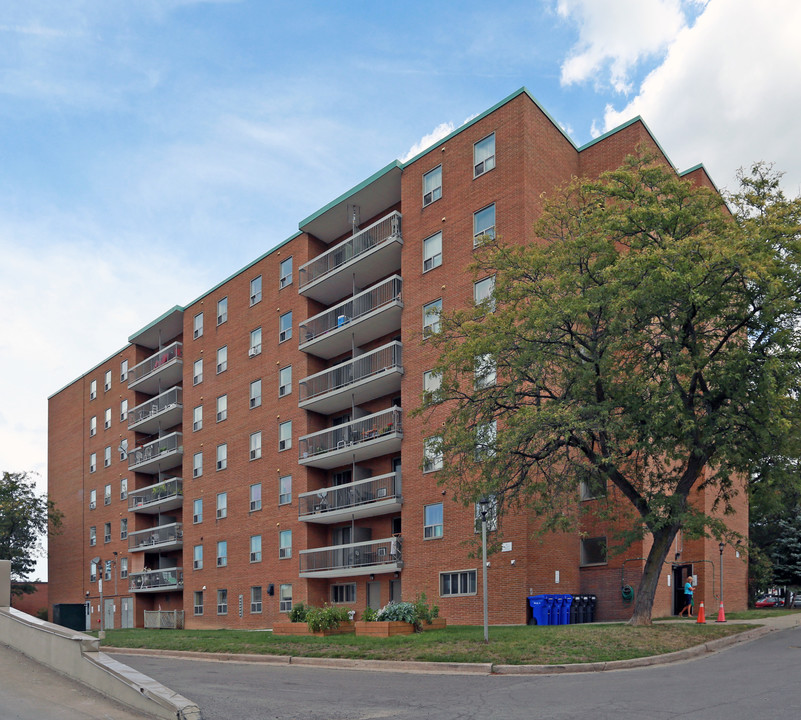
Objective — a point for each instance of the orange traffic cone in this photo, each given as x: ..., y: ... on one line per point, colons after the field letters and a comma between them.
x: 721, y: 614
x: 701, y: 617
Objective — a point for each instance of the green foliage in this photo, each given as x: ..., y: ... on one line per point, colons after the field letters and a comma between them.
x: 327, y: 617
x: 298, y: 613
x: 369, y: 614
x: 425, y: 612
x: 400, y: 611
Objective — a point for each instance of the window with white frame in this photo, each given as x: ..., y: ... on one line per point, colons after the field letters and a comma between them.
x: 222, y: 553
x: 431, y: 385
x: 123, y: 528
x: 492, y: 514
x: 285, y: 327
x: 222, y: 505
x: 255, y: 599
x: 484, y: 225
x: 285, y: 273
x: 198, y: 602
x: 107, y: 381
x: 285, y: 490
x: 255, y: 497
x: 123, y: 450
x: 255, y: 548
x: 432, y: 521
x: 123, y: 410
x: 197, y: 557
x: 255, y: 342
x: 222, y: 456
x: 123, y: 568
x: 92, y: 499
x: 432, y: 454
x: 93, y: 389
x: 285, y: 544
x: 222, y: 310
x: 123, y: 371
x: 486, y: 436
x: 284, y: 598
x: 486, y: 371
x: 460, y: 582
x: 92, y: 462
x: 285, y: 435
x: 197, y: 372
x: 92, y: 535
x: 107, y: 491
x: 255, y: 394
x: 109, y: 569
x: 343, y: 593
x: 484, y: 155
x: 431, y: 314
x: 222, y: 408
x: 107, y: 532
x: 255, y: 290
x: 432, y: 252
x: 222, y: 602
x: 197, y: 511
x: 285, y: 381
x: 197, y: 326
x: 93, y: 425
x: 92, y: 572
x: 222, y: 359
x: 107, y: 459
x: 123, y: 488
x: 482, y: 293
x: 255, y: 445
x: 197, y: 464
x: 197, y: 418
x: 593, y: 551
x: 593, y: 488
x: 107, y: 419
x: 432, y: 185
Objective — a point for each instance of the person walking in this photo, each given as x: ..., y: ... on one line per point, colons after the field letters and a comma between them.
x: 688, y: 598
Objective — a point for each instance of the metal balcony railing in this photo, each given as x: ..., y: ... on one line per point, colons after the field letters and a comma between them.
x: 172, y: 399
x: 350, y: 495
x: 158, y: 494
x: 155, y: 362
x: 155, y: 450
x: 388, y: 228
x: 357, y: 432
x: 166, y: 579
x: 344, y: 559
x: 156, y: 537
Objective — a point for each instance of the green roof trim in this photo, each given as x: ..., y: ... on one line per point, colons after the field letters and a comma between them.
x: 174, y: 308
x: 90, y: 370
x: 700, y: 166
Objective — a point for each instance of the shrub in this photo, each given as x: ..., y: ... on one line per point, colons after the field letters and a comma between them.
x: 400, y: 611
x: 369, y: 614
x: 325, y: 618
x: 298, y: 613
x: 424, y: 612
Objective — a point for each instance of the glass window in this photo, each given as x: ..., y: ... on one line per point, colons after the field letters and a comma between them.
x: 432, y: 252
x: 92, y: 572
x: 255, y: 497
x: 197, y: 372
x: 432, y: 454
x: 222, y: 553
x: 123, y: 371
x: 432, y: 185
x: 197, y: 418
x: 285, y: 435
x: 432, y: 521
x: 284, y: 598
x: 107, y: 382
x: 93, y: 535
x: 593, y: 551
x: 431, y: 385
x: 197, y: 510
x: 123, y: 410
x: 592, y: 489
x: 108, y: 570
x: 222, y: 310
x: 255, y: 445
x: 492, y: 514
x: 482, y: 293
x: 486, y: 435
x: 198, y: 602
x: 92, y: 425
x: 222, y: 505
x: 255, y: 290
x: 431, y: 313
x: 107, y: 419
x: 255, y: 548
x: 285, y: 381
x: 92, y: 462
x: 484, y: 155
x: 285, y: 490
x: 93, y: 389
x: 255, y: 599
x: 255, y: 394
x: 222, y: 602
x: 123, y: 449
x: 107, y: 532
x: 222, y: 456
x: 344, y: 593
x: 92, y: 499
x: 197, y: 326
x: 285, y: 273
x: 222, y: 359
x: 197, y: 464
x: 255, y: 342
x: 123, y: 528
x: 123, y: 568
x: 285, y: 327
x: 222, y: 408
x: 107, y: 492
x: 486, y: 371
x: 123, y: 488
x: 462, y: 582
x: 285, y: 544
x: 484, y: 225
x: 107, y: 459
x: 197, y: 557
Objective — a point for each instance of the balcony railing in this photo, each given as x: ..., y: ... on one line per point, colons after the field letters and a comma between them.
x: 157, y: 538
x: 368, y: 315
x: 367, y: 437
x: 161, y: 454
x: 157, y: 580
x: 165, y: 495
x: 164, y: 410
x: 370, y: 253
x: 363, y: 378
x: 362, y: 498
x: 164, y: 367
x: 373, y: 556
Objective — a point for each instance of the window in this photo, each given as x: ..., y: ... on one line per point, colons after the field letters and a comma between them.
x: 107, y: 381
x: 432, y: 185
x: 92, y: 499
x: 93, y: 389
x: 255, y: 548
x: 255, y: 394
x: 593, y: 488
x: 285, y: 435
x: 285, y: 381
x: 344, y: 593
x: 431, y: 384
x: 462, y: 582
x: 123, y: 448
x: 222, y: 602
x: 484, y: 155
x: 108, y: 570
x: 285, y: 327
x: 107, y: 463
x: 484, y: 225
x: 222, y: 553
x: 123, y: 371
x: 482, y: 293
x: 285, y: 490
x: 197, y: 464
x: 123, y: 528
x: 107, y: 491
x: 432, y: 454
x: 432, y: 522
x: 492, y: 515
x: 255, y: 599
x: 92, y: 462
x: 285, y: 273
x: 222, y: 310
x: 486, y: 434
x: 222, y: 359
x: 198, y: 603
x: 255, y: 342
x: 285, y: 544
x: 197, y: 326
x: 431, y: 313
x: 93, y: 425
x: 222, y: 456
x: 92, y: 572
x: 123, y: 410
x: 197, y: 372
x: 197, y: 557
x: 222, y: 408
x: 222, y: 505
x: 284, y: 598
x: 255, y: 290
x: 107, y: 532
x: 123, y: 568
x: 255, y: 497
x: 197, y: 418
x: 432, y: 252
x: 123, y: 488
x: 255, y: 445
x: 92, y: 536
x: 593, y: 551
x: 197, y: 511
x: 107, y: 419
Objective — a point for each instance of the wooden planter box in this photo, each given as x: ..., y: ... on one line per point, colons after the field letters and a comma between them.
x: 436, y: 624
x: 383, y: 628
x: 290, y: 628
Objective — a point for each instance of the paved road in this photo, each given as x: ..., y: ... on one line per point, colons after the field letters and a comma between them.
x: 759, y: 679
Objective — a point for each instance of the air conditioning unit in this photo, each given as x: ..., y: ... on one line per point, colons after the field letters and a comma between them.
x: 253, y: 352
x: 92, y: 505
x: 197, y: 564
x: 285, y: 552
x: 222, y: 562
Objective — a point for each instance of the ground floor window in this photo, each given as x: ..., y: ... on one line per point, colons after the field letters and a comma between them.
x: 255, y: 599
x: 345, y: 593
x: 222, y: 602
x: 461, y: 582
x: 593, y: 551
x: 198, y: 602
x: 285, y: 598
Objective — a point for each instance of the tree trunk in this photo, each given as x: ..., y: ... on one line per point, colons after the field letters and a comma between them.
x: 644, y: 599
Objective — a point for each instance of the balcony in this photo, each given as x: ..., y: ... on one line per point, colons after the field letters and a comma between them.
x: 364, y: 498
x: 162, y: 454
x: 162, y: 411
x: 369, y: 254
x: 162, y: 369
x: 364, y: 558
x: 368, y: 437
x: 157, y: 580
x: 161, y: 497
x: 363, y: 378
x: 364, y: 317
x: 161, y: 538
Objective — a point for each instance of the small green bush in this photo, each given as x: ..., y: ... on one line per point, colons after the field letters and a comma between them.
x: 298, y: 613
x: 424, y: 612
x: 327, y: 617
x: 369, y: 614
x: 400, y: 611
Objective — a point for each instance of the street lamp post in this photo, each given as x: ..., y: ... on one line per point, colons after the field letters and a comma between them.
x: 484, y: 504
x: 721, y: 616
x: 99, y: 565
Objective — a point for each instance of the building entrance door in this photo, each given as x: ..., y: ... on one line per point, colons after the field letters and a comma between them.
x: 395, y: 590
x: 680, y: 573
x: 88, y: 610
x: 108, y: 617
x: 126, y: 612
x: 374, y: 595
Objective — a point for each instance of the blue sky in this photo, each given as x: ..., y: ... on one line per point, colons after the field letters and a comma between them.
x: 139, y: 137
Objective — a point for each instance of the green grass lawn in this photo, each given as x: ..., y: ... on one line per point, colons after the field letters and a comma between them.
x: 509, y: 645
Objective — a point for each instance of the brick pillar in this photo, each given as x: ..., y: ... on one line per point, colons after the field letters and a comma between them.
x: 5, y: 583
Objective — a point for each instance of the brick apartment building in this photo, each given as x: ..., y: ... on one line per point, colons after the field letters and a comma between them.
x: 254, y: 448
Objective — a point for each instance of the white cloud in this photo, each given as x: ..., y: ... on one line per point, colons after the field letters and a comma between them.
x: 442, y: 130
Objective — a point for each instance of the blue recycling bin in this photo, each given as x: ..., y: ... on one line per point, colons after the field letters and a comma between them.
x: 567, y: 601
x: 539, y: 609
x: 554, y: 609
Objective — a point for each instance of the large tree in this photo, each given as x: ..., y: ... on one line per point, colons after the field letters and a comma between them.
x: 648, y: 340
x: 24, y: 518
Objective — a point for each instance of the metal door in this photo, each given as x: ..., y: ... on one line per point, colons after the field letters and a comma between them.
x: 126, y: 612
x: 374, y: 595
x: 88, y: 607
x: 108, y: 617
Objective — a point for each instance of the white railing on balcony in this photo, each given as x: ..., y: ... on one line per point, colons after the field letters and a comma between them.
x: 388, y: 228
x: 166, y: 445
x: 384, y: 293
x: 349, y: 495
x: 156, y: 536
x: 166, y: 401
x: 157, y: 579
x: 353, y: 555
x: 364, y: 430
x: 156, y: 361
x: 164, y: 490
x: 352, y: 371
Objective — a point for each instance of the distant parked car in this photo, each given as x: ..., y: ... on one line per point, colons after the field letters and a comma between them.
x: 797, y: 600
x: 769, y: 601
